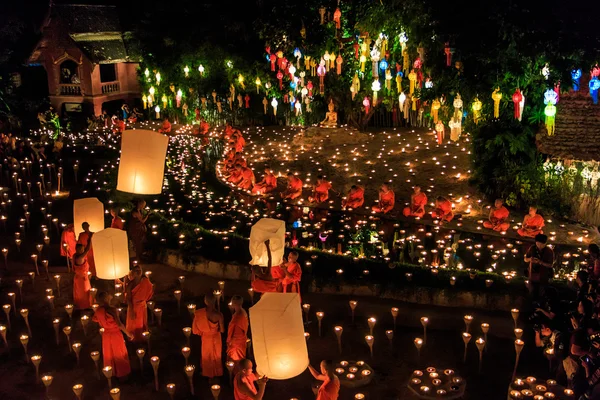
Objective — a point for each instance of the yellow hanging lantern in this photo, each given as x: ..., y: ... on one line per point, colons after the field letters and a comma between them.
x: 476, y: 110
x: 241, y: 81
x: 435, y: 108
x: 158, y: 78
x: 405, y: 60
x: 258, y: 83
x: 186, y: 71
x: 164, y: 100
x: 412, y: 77
x: 145, y: 101
x: 550, y: 112
x: 356, y: 82
x: 399, y: 83
x: 497, y: 96
x: 363, y: 60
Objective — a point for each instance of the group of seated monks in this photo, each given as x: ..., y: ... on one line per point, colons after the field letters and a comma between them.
x: 498, y: 221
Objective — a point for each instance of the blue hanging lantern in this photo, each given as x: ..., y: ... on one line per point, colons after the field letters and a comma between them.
x: 550, y: 97
x: 594, y: 86
x: 576, y: 75
x: 383, y: 64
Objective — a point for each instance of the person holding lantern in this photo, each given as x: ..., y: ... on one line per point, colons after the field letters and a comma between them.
x: 68, y: 243
x: 81, y: 282
x: 355, y: 197
x: 138, y: 291
x: 498, y: 218
x: 166, y: 126
x: 237, y: 332
x: 268, y: 280
x: 209, y: 325
x: 85, y: 239
x: 243, y: 383
x: 330, y: 388
x: 418, y: 200
x: 443, y: 210
x: 320, y: 193
x: 387, y: 200
x: 294, y: 188
x: 293, y: 274
x: 114, y: 351
x: 136, y: 229
x: 532, y: 224
x: 267, y: 185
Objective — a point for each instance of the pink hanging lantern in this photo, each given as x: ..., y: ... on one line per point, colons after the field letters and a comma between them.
x: 366, y: 104
x: 309, y: 86
x: 280, y: 79
x: 321, y: 73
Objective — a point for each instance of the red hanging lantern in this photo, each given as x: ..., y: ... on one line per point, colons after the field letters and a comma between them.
x: 356, y: 49
x: 449, y: 52
x: 273, y: 58
x: 279, y: 78
x: 337, y: 15
x: 321, y: 73
x: 517, y: 98
x: 247, y: 100
x: 309, y: 86
x: 366, y: 104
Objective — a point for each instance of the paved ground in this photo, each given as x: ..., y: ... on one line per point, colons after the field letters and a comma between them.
x: 392, y: 365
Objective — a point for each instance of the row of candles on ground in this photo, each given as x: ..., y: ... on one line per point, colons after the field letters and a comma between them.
x: 529, y: 388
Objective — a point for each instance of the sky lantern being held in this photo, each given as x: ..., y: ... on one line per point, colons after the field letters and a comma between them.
x: 594, y: 86
x: 142, y: 164
x: 477, y: 105
x: 89, y: 210
x: 517, y: 97
x: 412, y: 78
x: 575, y: 77
x: 111, y: 253
x: 272, y: 230
x: 278, y: 336
x: 337, y: 18
x: 497, y: 96
x: 366, y: 104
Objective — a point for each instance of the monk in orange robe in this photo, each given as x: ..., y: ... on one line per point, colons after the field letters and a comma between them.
x: 81, y: 281
x: 247, y: 180
x: 237, y: 332
x: 138, y: 292
x: 532, y: 224
x: 355, y: 198
x: 114, y: 351
x: 83, y: 239
x: 330, y: 388
x: 294, y: 188
x: 293, y: 274
x: 230, y: 131
x: 418, y: 200
x: 166, y: 126
x: 240, y: 142
x: 236, y: 175
x: 267, y: 185
x: 117, y: 222
x: 208, y: 324
x: 204, y: 127
x: 498, y: 219
x: 320, y: 193
x: 269, y: 280
x: 443, y: 210
x: 243, y: 383
x: 68, y: 243
x: 387, y: 199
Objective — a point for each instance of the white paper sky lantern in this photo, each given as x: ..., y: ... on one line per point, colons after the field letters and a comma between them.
x: 111, y: 253
x: 274, y: 231
x: 89, y: 210
x: 142, y: 164
x: 278, y: 336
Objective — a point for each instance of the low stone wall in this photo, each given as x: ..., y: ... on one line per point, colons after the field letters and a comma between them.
x: 450, y: 297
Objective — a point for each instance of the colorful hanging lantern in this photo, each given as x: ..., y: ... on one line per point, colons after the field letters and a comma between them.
x: 401, y: 100
x: 356, y: 82
x: 517, y: 97
x: 388, y: 80
x: 178, y: 98
x: 439, y: 131
x: 280, y: 79
x: 247, y: 100
x: 337, y: 18
x: 241, y: 81
x: 546, y: 71
x: 157, y: 111
x: 449, y: 51
x: 258, y: 83
x: 412, y: 77
x: 497, y: 96
x: 339, y: 60
x: 164, y: 100
x: 353, y: 91
x: 274, y: 104
x: 363, y: 60
x: 292, y: 71
x: 265, y: 104
x: 435, y: 108
x: 145, y: 101
x: 326, y: 58
x: 403, y: 39
x: 550, y: 112
x: 321, y: 73
x: 576, y: 76
x: 298, y: 55
x: 455, y: 125
x: 376, y: 87
x: 477, y: 105
x: 428, y: 83
x: 594, y: 86
x: 375, y: 57
x: 550, y: 97
x: 458, y: 105
x: 595, y: 72
x: 147, y: 73
x: 186, y: 71
x: 399, y: 81
x: 309, y: 86
x: 201, y: 70
x: 383, y: 65
x: 521, y: 106
x: 158, y: 78
x: 366, y: 104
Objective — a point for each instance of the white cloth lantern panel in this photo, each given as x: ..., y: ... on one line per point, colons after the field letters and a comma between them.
x: 90, y: 210
x: 278, y: 336
x: 111, y: 253
x: 267, y: 229
x: 142, y: 163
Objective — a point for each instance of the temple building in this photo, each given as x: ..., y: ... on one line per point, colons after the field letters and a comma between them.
x: 88, y: 58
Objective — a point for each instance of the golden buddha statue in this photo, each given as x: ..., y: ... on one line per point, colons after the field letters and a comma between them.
x: 331, y: 116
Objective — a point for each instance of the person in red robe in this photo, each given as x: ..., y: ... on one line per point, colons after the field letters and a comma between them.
x: 235, y: 176
x: 498, y: 219
x: 243, y: 383
x: 240, y: 142
x: 293, y: 274
x: 443, y: 210
x: 387, y: 200
x: 267, y: 279
x: 166, y: 126
x: 247, y: 180
x: 138, y: 292
x: 204, y: 127
x: 81, y: 281
x: 84, y: 239
x: 114, y: 351
x: 294, y: 188
x: 229, y: 131
x: 330, y: 388
x: 355, y: 197
x: 267, y: 185
x: 237, y: 332
x: 208, y: 324
x: 532, y: 224
x: 68, y: 243
x: 418, y: 201
x: 117, y: 222
x: 320, y: 193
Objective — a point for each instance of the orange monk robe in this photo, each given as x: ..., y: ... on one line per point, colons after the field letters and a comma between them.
x: 246, y: 380
x: 211, y: 343
x: 292, y: 283
x: 268, y: 184
x: 443, y: 211
x: 355, y: 199
x: 417, y: 206
x: 532, y: 226
x: 237, y: 336
x: 239, y: 143
x: 67, y: 243
x: 235, y: 177
x: 247, y: 179
x: 498, y: 220
x: 83, y: 239
x: 294, y: 189
x: 260, y: 285
x: 321, y: 192
x: 386, y: 202
x: 117, y: 223
x: 81, y: 286
x: 329, y: 390
x: 114, y: 351
x: 166, y: 127
x: 204, y: 127
x: 139, y: 296
x: 229, y: 132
